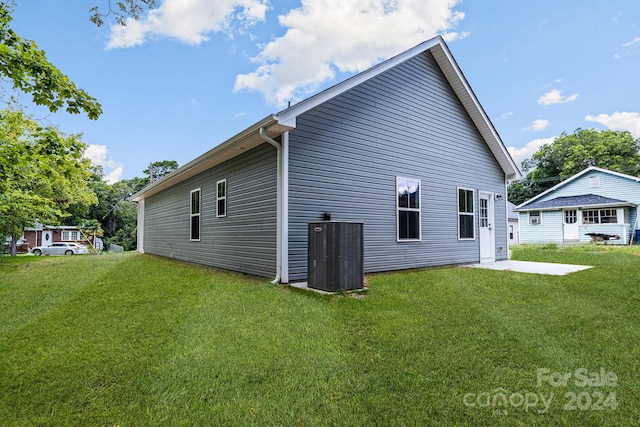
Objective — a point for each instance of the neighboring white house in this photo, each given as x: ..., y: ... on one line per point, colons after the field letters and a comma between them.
x: 593, y: 202
x: 513, y: 231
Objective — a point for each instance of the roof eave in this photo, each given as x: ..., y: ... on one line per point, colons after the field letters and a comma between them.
x: 558, y: 208
x: 286, y: 119
x: 467, y: 97
x: 574, y: 177
x: 454, y: 76
x: 235, y: 146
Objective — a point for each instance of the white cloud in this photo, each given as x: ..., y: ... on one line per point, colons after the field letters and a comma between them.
x: 188, y: 21
x: 538, y: 125
x: 555, y: 97
x: 520, y: 154
x: 328, y: 36
x: 98, y: 155
x: 632, y: 42
x: 630, y: 48
x: 619, y: 121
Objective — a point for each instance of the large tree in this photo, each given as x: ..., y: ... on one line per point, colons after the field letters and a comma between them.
x: 571, y: 153
x: 42, y: 172
x: 28, y: 70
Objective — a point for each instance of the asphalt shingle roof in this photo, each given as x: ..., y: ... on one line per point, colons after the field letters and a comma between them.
x: 582, y: 200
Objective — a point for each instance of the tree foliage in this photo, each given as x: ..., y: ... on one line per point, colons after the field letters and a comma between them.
x: 160, y: 169
x: 571, y: 153
x: 42, y: 172
x: 122, y: 10
x: 116, y: 214
x: 27, y: 68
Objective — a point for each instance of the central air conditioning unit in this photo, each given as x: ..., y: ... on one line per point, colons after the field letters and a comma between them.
x: 335, y: 256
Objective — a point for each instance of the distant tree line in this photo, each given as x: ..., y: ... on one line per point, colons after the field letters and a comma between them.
x: 44, y: 177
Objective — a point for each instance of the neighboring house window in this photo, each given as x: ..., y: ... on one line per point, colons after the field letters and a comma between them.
x: 70, y: 235
x: 570, y: 216
x: 221, y: 198
x: 600, y: 216
x: 408, y: 201
x: 535, y: 217
x: 195, y: 215
x: 466, y: 214
x: 511, y: 232
x: 594, y: 181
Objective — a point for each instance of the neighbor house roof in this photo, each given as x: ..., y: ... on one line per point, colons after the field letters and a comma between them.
x: 584, y: 200
x: 525, y: 205
x: 52, y: 227
x: 285, y: 120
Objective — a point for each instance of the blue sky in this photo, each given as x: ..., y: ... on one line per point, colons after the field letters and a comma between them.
x: 192, y: 74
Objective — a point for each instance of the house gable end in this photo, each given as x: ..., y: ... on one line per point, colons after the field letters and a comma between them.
x: 347, y: 154
x: 597, y: 181
x: 453, y: 75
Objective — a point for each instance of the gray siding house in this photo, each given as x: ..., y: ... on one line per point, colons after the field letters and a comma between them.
x: 404, y: 148
x: 593, y: 201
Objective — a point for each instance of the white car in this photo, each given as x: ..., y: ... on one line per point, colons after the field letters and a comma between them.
x: 60, y: 249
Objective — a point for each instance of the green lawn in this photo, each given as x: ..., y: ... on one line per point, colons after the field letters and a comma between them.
x: 136, y: 340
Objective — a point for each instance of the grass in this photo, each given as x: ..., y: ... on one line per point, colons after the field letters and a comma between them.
x: 135, y: 340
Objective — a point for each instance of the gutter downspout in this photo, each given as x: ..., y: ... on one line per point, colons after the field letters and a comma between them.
x: 279, y: 210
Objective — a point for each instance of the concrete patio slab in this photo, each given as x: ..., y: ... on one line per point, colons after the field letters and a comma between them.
x: 532, y: 267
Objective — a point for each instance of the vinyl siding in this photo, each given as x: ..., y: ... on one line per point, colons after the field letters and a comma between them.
x: 550, y: 231
x: 346, y: 153
x: 611, y: 186
x: 244, y: 240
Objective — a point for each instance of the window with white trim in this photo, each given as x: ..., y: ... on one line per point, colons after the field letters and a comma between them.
x: 194, y: 219
x: 511, y: 233
x: 408, y: 206
x: 466, y: 214
x: 221, y: 198
x: 570, y: 216
x: 70, y: 235
x: 600, y: 216
x: 535, y: 217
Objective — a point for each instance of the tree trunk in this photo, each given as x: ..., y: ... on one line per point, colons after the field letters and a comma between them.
x: 13, y: 246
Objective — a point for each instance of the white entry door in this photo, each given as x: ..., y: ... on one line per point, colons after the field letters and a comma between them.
x: 47, y: 237
x: 570, y: 226
x: 487, y: 230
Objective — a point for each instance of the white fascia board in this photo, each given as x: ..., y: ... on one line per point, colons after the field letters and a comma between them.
x: 288, y: 116
x: 467, y: 97
x: 456, y: 79
x: 582, y: 207
x: 614, y: 173
x: 573, y: 178
x: 234, y: 146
